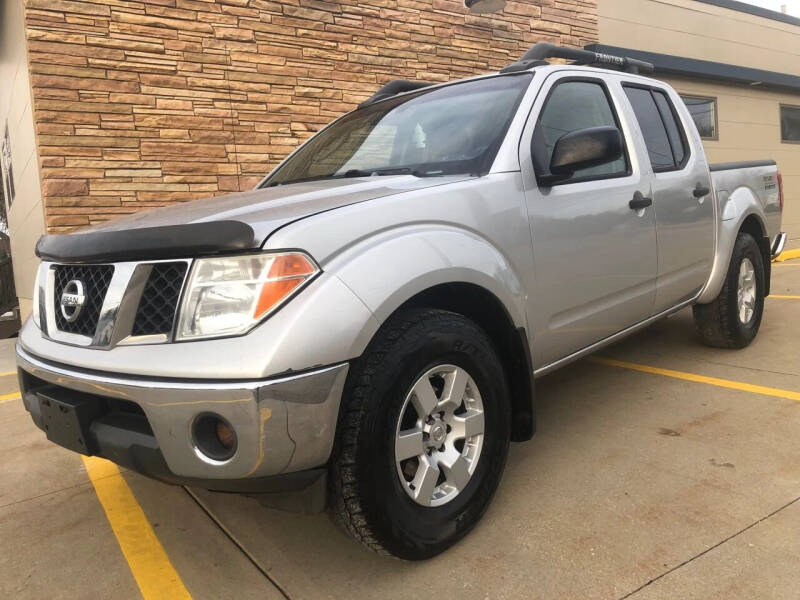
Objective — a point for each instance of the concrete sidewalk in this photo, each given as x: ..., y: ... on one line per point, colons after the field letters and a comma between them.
x: 631, y: 478
x: 55, y: 538
x: 7, y: 363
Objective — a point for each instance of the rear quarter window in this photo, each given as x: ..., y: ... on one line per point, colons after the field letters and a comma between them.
x: 673, y: 127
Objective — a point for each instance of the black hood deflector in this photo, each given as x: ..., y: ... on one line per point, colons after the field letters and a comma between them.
x: 149, y: 243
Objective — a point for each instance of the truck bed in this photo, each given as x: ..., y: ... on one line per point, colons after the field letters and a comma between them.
x: 738, y: 184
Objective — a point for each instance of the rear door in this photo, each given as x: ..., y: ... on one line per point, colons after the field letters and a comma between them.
x: 684, y: 205
x: 594, y: 257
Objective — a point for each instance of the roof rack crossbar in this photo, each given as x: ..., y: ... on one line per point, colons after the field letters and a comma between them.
x: 392, y: 88
x: 544, y: 50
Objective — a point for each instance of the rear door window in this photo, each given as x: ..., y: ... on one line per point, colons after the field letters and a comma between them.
x: 661, y: 130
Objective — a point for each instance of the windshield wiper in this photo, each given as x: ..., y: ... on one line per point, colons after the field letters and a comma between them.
x: 389, y: 171
x: 365, y: 173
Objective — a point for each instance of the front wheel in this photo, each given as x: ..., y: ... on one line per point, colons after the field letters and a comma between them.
x: 423, y: 435
x: 733, y: 318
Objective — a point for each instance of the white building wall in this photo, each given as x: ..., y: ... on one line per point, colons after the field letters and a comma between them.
x: 26, y: 214
x: 748, y: 116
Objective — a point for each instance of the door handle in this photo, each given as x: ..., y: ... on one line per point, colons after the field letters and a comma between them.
x: 640, y: 201
x: 700, y: 191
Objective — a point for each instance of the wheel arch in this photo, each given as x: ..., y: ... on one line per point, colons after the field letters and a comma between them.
x: 741, y: 213
x: 449, y: 268
x: 753, y: 225
x: 511, y: 342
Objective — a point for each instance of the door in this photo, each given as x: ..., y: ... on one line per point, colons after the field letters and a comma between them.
x: 8, y: 297
x: 682, y: 197
x: 594, y: 256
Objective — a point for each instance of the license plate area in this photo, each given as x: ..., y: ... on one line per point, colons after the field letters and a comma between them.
x: 67, y: 418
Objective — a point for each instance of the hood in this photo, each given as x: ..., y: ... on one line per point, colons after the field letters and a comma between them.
x: 267, y: 210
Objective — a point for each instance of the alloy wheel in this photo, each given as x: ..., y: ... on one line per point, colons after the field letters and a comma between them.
x: 746, y: 291
x: 439, y: 435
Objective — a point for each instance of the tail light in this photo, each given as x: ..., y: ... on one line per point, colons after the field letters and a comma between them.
x: 780, y: 189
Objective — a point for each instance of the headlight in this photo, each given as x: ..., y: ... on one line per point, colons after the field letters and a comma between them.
x: 231, y: 295
x: 37, y: 282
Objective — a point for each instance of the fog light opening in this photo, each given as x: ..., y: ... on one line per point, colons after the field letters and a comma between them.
x: 214, y: 437
x: 225, y: 435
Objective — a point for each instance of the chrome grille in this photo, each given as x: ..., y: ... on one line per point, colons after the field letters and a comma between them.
x: 95, y: 279
x: 124, y: 303
x: 159, y: 303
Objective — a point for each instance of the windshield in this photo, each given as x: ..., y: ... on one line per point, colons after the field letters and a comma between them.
x: 449, y: 130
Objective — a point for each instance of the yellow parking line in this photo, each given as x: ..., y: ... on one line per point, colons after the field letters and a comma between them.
x: 784, y: 297
x: 9, y: 374
x: 725, y: 383
x: 149, y: 563
x: 788, y: 255
x: 9, y: 397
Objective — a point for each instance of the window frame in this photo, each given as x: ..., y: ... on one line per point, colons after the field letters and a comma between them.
x: 614, y: 113
x: 678, y: 121
x: 781, y: 106
x: 715, y: 137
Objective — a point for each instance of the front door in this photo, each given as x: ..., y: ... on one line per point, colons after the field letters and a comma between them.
x: 594, y: 256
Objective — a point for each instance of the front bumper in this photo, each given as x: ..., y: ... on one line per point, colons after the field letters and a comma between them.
x: 284, y: 426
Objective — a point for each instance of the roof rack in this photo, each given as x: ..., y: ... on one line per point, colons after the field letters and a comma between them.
x: 398, y: 86
x: 533, y: 58
x: 536, y: 56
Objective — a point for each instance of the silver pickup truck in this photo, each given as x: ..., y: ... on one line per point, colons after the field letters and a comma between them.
x: 362, y: 331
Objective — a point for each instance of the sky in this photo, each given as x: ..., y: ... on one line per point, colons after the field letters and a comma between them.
x: 792, y: 6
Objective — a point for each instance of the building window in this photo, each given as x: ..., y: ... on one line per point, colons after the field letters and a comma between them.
x: 790, y: 123
x: 7, y: 171
x: 704, y: 115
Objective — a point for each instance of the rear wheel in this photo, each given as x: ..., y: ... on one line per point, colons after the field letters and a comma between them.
x: 423, y: 435
x: 733, y: 318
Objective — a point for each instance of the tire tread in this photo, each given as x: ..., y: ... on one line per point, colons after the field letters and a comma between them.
x: 345, y: 505
x: 717, y: 323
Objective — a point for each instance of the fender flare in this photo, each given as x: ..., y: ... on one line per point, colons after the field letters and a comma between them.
x: 735, y: 209
x: 422, y: 257
x: 427, y: 258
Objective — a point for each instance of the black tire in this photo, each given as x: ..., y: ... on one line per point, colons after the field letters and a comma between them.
x: 367, y: 498
x: 718, y: 322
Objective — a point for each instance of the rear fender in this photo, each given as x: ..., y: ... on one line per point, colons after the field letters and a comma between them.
x: 736, y: 207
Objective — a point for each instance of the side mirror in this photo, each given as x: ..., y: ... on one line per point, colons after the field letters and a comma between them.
x: 582, y: 149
